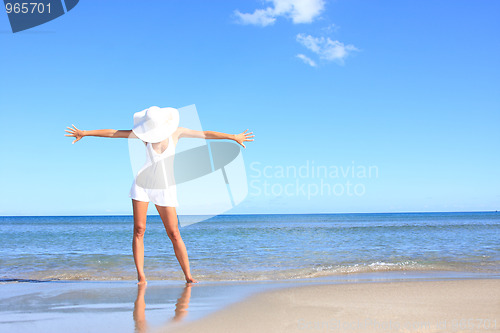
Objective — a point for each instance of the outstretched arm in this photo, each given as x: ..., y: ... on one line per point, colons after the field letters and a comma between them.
x: 105, y: 133
x: 239, y: 138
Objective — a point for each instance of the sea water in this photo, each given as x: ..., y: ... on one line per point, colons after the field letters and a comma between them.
x: 250, y: 247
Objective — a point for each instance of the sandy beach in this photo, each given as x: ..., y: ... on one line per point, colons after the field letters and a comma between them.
x: 410, y: 306
x: 381, y: 302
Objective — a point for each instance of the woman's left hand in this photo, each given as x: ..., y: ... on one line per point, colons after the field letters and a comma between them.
x: 243, y: 137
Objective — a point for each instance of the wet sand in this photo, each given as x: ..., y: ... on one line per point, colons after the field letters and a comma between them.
x: 336, y: 304
x: 412, y: 306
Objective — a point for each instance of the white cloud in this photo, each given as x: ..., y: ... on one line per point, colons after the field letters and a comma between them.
x: 325, y: 48
x: 300, y: 11
x: 306, y: 60
x: 260, y: 17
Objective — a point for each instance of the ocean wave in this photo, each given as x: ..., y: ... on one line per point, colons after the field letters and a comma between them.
x: 254, y: 275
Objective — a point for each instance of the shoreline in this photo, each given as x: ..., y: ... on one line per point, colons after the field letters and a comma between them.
x: 431, y: 273
x: 119, y: 306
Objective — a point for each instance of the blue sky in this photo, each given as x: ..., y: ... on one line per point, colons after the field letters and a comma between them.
x: 408, y: 87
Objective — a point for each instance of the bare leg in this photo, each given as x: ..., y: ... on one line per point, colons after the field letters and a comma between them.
x: 140, y: 209
x: 169, y: 217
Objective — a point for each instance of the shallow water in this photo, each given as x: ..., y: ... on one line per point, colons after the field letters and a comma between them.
x: 251, y: 247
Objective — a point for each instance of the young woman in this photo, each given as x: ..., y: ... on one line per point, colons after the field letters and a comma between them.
x: 158, y: 129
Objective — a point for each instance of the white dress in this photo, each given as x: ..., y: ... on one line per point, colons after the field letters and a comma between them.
x: 155, y: 180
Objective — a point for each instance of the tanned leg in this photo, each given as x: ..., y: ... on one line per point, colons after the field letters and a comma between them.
x: 140, y: 209
x: 169, y: 217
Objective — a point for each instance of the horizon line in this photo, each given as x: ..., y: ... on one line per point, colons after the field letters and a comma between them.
x: 345, y: 213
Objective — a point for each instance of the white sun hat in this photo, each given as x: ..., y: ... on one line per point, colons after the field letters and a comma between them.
x: 155, y: 124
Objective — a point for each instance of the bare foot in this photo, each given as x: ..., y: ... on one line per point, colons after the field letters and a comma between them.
x: 142, y: 280
x: 191, y: 280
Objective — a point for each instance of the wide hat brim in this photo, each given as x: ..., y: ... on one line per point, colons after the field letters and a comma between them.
x: 155, y: 124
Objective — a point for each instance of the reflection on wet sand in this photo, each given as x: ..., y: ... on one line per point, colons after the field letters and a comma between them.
x: 181, y: 307
x: 182, y: 304
x: 141, y: 324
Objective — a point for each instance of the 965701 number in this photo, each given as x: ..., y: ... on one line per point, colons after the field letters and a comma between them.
x: 27, y: 7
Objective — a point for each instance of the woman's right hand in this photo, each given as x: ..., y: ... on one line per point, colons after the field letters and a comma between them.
x: 78, y: 134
